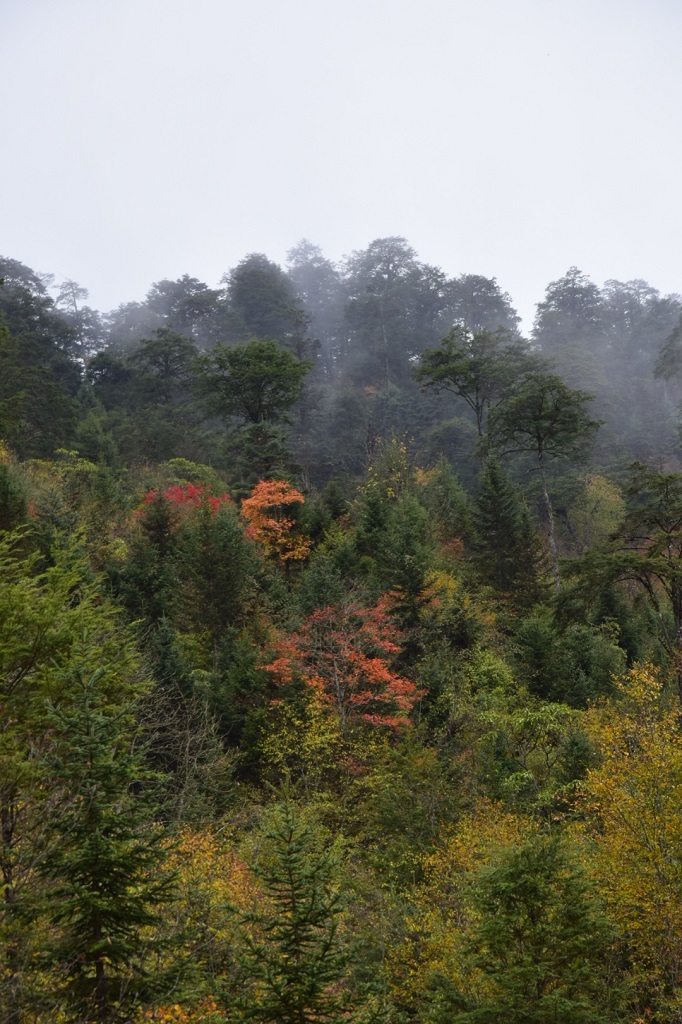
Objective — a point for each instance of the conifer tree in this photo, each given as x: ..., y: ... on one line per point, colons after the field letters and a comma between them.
x: 541, y: 942
x: 103, y: 867
x: 506, y: 546
x: 293, y: 962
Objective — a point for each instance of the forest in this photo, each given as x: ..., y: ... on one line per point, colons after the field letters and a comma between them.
x: 341, y: 649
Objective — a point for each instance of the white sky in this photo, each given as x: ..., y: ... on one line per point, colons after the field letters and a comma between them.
x: 145, y: 139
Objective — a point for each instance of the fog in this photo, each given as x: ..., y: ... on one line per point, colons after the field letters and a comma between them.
x: 147, y: 140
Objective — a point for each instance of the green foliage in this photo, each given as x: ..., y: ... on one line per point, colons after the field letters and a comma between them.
x: 256, y: 383
x: 105, y: 733
x: 75, y: 849
x: 646, y: 550
x: 104, y: 858
x: 262, y: 299
x: 506, y: 546
x: 37, y: 411
x: 545, y: 418
x: 481, y: 367
x: 400, y: 807
x: 12, y: 499
x: 321, y: 583
x: 163, y: 364
x: 214, y: 566
x: 574, y: 664
x: 447, y: 501
x: 292, y: 961
x: 541, y: 942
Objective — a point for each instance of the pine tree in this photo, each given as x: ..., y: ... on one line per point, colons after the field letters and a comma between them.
x: 104, y: 865
x: 506, y: 546
x: 293, y: 962
x: 541, y: 942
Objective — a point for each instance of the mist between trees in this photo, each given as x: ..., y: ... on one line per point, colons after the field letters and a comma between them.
x: 341, y: 649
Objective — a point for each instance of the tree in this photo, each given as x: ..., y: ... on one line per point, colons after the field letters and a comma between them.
x: 540, y: 943
x: 186, y: 306
x: 633, y: 800
x: 36, y: 411
x: 189, y: 308
x: 46, y: 339
x: 110, y: 379
x: 216, y: 565
x: 481, y: 367
x: 669, y: 362
x: 546, y: 419
x: 252, y: 387
x: 38, y: 623
x: 255, y: 383
x: 318, y: 287
x: 103, y: 866
x: 392, y: 309
x: 269, y: 524
x: 646, y: 550
x: 478, y: 304
x: 343, y: 654
x: 293, y: 964
x: 164, y: 364
x: 84, y: 321
x: 76, y: 853
x: 570, y: 314
x: 506, y: 544
x: 262, y: 299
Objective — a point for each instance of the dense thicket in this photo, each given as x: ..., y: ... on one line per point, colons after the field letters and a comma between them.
x: 340, y: 646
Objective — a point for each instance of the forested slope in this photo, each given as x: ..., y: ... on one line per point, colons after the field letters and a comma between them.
x: 340, y: 642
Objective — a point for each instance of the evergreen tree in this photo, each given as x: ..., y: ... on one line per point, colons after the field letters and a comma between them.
x: 216, y: 566
x: 292, y: 962
x: 448, y: 503
x: 506, y: 546
x: 541, y: 942
x: 76, y: 854
x: 103, y: 865
x: 12, y: 498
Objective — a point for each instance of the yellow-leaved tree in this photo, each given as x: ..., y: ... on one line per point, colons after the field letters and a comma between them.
x: 634, y: 824
x: 433, y: 958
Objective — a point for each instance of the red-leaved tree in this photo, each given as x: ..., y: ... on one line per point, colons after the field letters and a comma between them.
x: 344, y: 653
x: 187, y: 496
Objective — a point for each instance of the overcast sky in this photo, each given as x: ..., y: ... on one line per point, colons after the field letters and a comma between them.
x: 145, y: 139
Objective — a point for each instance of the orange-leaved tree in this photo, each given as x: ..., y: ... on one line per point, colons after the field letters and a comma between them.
x: 344, y: 654
x: 271, y: 525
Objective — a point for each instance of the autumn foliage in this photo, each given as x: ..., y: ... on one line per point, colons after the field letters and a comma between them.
x: 185, y: 497
x: 344, y: 654
x: 634, y: 800
x: 271, y: 524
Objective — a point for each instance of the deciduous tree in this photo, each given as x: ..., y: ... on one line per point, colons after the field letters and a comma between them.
x: 546, y: 419
x: 343, y: 653
x: 271, y: 525
x: 633, y: 800
x: 481, y: 367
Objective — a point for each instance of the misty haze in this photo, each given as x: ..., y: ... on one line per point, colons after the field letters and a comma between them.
x: 340, y: 578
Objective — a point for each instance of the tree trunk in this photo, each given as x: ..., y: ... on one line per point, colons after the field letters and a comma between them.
x: 550, y: 521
